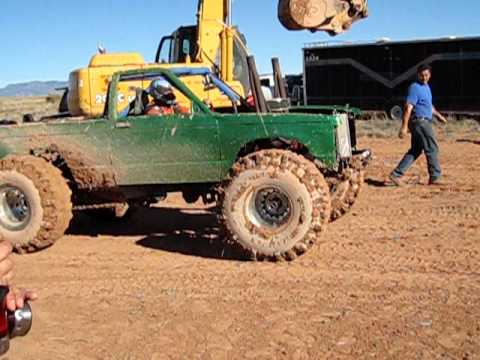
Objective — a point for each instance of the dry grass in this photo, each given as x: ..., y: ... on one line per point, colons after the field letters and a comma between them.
x: 385, y: 128
x: 13, y: 108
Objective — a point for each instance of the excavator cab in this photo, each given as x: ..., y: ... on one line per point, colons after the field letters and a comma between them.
x: 178, y: 47
x: 181, y: 48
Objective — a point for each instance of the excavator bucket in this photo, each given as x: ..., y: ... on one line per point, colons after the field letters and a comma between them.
x: 332, y: 16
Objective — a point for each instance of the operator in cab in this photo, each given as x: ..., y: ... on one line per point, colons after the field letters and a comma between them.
x: 164, y: 100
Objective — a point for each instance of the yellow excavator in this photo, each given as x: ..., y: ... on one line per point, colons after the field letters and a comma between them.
x: 213, y: 42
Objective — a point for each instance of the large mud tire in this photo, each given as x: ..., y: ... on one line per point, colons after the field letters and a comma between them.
x: 49, y: 202
x: 345, y: 193
x: 302, y: 190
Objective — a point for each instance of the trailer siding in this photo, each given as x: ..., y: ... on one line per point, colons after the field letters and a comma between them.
x: 376, y: 76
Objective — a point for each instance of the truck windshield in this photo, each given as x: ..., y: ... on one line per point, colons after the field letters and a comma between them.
x: 140, y: 90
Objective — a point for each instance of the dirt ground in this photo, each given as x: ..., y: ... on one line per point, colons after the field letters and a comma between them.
x: 397, y: 278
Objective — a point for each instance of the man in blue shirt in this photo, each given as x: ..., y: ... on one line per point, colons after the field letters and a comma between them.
x: 419, y: 102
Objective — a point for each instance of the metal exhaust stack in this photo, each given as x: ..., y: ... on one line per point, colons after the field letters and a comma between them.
x: 260, y: 103
x: 279, y: 87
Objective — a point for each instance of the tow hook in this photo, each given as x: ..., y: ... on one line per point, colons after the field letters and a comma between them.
x: 361, y: 158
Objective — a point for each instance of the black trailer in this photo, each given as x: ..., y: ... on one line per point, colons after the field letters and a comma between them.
x: 376, y: 76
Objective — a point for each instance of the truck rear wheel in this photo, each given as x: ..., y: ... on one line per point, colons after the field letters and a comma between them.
x: 275, y: 205
x: 344, y: 193
x: 35, y: 203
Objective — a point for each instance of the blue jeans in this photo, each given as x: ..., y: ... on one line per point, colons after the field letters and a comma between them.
x: 423, y: 140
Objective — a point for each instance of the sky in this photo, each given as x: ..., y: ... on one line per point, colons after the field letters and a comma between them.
x: 46, y: 39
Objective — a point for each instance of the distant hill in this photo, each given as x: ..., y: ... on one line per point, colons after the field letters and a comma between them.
x: 32, y: 88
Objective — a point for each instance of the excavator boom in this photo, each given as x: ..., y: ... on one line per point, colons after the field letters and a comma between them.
x: 332, y: 16
x: 215, y: 29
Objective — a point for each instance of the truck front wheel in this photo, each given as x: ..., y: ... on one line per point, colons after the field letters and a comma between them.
x: 35, y: 204
x: 275, y: 204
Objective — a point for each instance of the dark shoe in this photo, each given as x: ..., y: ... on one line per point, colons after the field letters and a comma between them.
x: 434, y: 182
x: 396, y: 180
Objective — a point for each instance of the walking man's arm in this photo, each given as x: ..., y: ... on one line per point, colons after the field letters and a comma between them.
x: 406, y: 118
x: 439, y: 116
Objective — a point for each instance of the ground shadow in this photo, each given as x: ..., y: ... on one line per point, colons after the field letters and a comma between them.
x: 376, y: 182
x: 186, y: 231
x: 412, y: 180
x: 204, y: 243
x: 476, y: 142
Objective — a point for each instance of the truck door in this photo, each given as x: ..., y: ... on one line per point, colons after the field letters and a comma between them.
x: 137, y: 149
x: 166, y: 149
x: 191, y: 149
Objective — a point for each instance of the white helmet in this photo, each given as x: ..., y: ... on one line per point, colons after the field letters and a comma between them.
x: 162, y: 91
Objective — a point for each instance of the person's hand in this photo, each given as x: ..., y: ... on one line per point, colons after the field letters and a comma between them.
x: 442, y: 119
x: 6, y: 263
x: 403, y: 132
x: 17, y: 296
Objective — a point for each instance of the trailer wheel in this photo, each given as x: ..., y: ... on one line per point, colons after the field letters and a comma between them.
x: 35, y: 203
x: 395, y: 112
x: 275, y: 205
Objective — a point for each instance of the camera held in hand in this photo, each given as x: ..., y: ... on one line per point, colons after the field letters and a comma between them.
x: 12, y: 324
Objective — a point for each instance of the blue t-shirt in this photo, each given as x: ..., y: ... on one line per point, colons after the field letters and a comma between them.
x: 420, y: 96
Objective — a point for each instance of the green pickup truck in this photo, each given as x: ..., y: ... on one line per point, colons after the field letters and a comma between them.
x: 277, y: 178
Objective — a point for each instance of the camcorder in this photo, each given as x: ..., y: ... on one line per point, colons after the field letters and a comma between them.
x: 12, y: 323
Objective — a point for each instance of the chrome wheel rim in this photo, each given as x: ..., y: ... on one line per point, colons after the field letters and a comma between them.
x: 15, y: 211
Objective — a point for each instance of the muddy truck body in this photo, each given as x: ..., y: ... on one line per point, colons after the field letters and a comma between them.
x: 277, y: 179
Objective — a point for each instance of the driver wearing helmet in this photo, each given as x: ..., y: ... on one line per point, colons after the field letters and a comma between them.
x: 164, y: 100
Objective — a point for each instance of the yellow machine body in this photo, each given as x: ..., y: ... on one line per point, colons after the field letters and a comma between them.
x: 215, y: 44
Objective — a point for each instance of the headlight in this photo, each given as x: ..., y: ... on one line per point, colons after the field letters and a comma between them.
x: 344, y: 146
